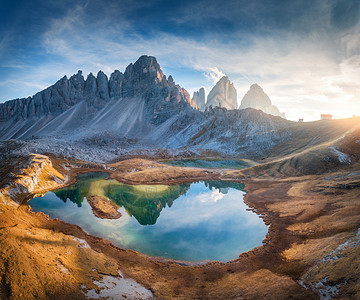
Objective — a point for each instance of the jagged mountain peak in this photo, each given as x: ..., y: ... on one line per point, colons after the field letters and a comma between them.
x: 255, y: 98
x: 101, y: 73
x: 76, y: 101
x: 146, y: 67
x: 142, y: 75
x: 223, y: 94
x: 255, y: 86
x: 78, y: 76
x: 199, y: 99
x: 258, y: 99
x: 224, y: 78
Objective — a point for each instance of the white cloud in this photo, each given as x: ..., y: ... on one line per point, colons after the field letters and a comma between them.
x: 214, y: 75
x: 300, y: 74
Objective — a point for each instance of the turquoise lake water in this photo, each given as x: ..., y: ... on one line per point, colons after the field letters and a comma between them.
x: 193, y: 221
x: 208, y: 163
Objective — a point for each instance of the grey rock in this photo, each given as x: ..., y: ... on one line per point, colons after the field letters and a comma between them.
x: 72, y: 97
x: 77, y: 84
x: 90, y: 86
x: 199, y: 99
x: 141, y: 106
x: 256, y: 98
x: 102, y: 85
x: 141, y: 76
x: 115, y: 83
x: 223, y: 94
x: 171, y: 81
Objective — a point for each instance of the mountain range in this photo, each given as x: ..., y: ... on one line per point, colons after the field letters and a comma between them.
x: 140, y: 108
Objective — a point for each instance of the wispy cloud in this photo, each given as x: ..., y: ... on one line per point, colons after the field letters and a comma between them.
x: 214, y: 75
x: 311, y: 66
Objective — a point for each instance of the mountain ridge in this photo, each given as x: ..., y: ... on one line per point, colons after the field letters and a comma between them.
x: 138, y: 109
x: 96, y: 90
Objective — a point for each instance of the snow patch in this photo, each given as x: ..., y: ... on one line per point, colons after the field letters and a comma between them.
x: 82, y: 243
x: 112, y: 287
x: 326, y: 289
x: 62, y: 268
x: 342, y: 157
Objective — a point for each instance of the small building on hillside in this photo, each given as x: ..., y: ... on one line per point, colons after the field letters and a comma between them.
x: 325, y: 117
x: 301, y: 120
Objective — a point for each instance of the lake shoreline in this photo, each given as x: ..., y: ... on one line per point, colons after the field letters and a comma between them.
x: 177, y: 222
x: 273, y: 268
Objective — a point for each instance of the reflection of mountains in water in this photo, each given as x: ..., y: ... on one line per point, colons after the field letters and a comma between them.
x: 224, y: 186
x: 144, y: 202
x: 80, y: 189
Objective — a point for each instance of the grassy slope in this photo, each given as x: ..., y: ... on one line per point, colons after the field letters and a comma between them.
x: 310, y: 153
x: 310, y: 215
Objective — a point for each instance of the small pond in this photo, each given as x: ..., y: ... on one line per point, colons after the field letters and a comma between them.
x: 192, y: 221
x: 209, y: 163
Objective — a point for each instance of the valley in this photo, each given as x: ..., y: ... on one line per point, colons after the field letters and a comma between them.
x: 311, y: 245
x: 90, y: 167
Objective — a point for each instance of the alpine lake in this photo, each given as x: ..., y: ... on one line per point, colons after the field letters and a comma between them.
x: 197, y: 221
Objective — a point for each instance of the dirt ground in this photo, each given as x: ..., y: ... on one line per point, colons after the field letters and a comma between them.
x: 312, y: 245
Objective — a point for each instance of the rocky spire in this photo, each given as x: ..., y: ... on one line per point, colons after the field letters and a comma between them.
x: 115, y: 83
x: 90, y: 85
x: 102, y: 85
x: 258, y: 99
x: 223, y: 94
x: 199, y: 99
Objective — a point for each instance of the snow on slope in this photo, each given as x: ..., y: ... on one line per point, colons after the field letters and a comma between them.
x: 342, y: 157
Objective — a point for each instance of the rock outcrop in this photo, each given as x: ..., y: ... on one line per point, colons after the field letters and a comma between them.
x: 199, y: 99
x: 258, y: 99
x: 115, y: 84
x: 223, y: 94
x: 163, y: 98
x: 35, y: 174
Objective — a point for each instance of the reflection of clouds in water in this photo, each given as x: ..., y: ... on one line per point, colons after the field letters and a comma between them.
x: 214, y: 196
x: 203, y: 223
x: 115, y: 223
x: 206, y: 208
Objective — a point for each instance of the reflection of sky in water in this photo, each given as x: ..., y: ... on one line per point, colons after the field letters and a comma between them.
x: 203, y: 224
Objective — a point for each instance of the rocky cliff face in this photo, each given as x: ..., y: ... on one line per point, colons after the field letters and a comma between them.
x: 99, y: 118
x: 144, y: 79
x: 59, y: 97
x: 258, y: 99
x: 199, y: 99
x: 163, y: 98
x: 223, y: 94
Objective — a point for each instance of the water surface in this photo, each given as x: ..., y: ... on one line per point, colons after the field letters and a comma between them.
x: 209, y: 163
x: 193, y: 221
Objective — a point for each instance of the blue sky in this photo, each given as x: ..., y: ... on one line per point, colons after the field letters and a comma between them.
x: 305, y: 54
